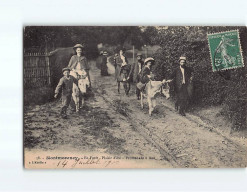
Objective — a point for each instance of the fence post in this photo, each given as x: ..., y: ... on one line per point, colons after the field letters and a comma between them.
x: 48, y: 68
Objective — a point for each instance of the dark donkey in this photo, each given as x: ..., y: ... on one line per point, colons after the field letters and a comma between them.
x: 124, y: 78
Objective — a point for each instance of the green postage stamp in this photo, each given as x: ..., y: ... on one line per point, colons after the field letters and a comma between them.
x: 225, y: 50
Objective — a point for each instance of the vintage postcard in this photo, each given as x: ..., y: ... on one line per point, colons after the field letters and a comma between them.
x: 134, y: 97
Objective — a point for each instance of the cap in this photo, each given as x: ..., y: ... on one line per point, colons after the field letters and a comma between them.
x: 78, y: 46
x: 66, y: 68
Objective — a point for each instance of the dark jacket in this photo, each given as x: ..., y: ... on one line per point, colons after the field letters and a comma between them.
x: 75, y: 59
x: 121, y: 71
x: 135, y: 71
x: 66, y: 85
x: 104, y: 68
x: 144, y: 75
x: 178, y: 77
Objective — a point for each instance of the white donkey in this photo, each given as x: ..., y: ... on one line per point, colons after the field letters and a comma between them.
x: 152, y: 88
x: 83, y: 83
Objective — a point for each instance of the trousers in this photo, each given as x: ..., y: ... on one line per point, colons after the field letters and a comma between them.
x: 65, y: 103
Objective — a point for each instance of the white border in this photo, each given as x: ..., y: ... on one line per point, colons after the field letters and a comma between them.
x: 15, y: 14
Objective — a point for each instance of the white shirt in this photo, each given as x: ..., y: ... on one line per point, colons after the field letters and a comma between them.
x: 140, y: 66
x: 123, y: 58
x: 182, y: 70
x: 78, y: 66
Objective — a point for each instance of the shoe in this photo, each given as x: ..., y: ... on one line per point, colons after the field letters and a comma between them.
x: 182, y: 113
x: 64, y: 116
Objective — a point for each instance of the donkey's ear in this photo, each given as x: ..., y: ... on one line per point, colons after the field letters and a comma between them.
x: 163, y: 81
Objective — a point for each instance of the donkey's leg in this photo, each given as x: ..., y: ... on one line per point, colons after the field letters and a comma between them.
x: 128, y: 87
x: 154, y: 102
x: 77, y: 103
x: 141, y: 94
x: 118, y: 87
x: 125, y: 88
x: 74, y: 97
x: 150, y: 105
x: 82, y: 100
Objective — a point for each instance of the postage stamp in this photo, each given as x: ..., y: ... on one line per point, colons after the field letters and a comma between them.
x: 225, y: 50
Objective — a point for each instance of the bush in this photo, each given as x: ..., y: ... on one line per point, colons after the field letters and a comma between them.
x: 227, y: 87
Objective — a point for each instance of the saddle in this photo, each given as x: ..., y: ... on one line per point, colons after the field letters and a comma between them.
x: 141, y: 86
x: 79, y: 74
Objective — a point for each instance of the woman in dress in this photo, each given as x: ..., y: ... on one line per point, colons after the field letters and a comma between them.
x: 104, y: 69
x: 79, y: 61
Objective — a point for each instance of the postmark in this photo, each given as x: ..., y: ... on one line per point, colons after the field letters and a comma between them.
x: 225, y: 50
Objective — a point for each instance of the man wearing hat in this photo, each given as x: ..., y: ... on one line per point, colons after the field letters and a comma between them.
x: 135, y: 71
x: 79, y: 61
x: 104, y: 71
x: 66, y: 83
x: 182, y: 76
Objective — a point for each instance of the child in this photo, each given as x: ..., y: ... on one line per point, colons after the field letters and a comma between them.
x: 66, y: 83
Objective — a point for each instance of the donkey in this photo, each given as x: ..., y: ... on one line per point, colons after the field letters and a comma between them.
x: 152, y: 88
x: 81, y: 90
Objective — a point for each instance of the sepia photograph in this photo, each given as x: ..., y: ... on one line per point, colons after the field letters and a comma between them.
x: 134, y: 97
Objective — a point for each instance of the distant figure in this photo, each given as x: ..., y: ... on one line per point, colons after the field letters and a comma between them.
x: 104, y: 71
x: 182, y: 77
x: 135, y: 72
x: 79, y: 61
x: 99, y: 60
x: 115, y: 64
x: 66, y: 84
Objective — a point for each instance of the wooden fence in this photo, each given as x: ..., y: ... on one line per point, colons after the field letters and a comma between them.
x: 37, y: 70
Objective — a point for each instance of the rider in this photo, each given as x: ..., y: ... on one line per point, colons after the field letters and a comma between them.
x: 78, y: 62
x: 146, y: 73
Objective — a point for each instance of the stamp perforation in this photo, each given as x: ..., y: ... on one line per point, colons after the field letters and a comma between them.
x: 240, y: 49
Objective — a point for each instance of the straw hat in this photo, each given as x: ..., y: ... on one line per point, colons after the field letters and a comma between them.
x: 182, y: 58
x: 148, y: 60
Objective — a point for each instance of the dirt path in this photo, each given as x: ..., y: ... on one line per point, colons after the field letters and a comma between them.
x: 184, y: 141
x: 113, y: 124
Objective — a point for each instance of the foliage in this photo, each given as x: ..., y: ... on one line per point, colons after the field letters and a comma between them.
x: 210, y: 88
x: 48, y: 38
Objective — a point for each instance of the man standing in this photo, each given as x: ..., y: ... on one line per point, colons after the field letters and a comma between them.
x: 135, y: 71
x: 182, y: 76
